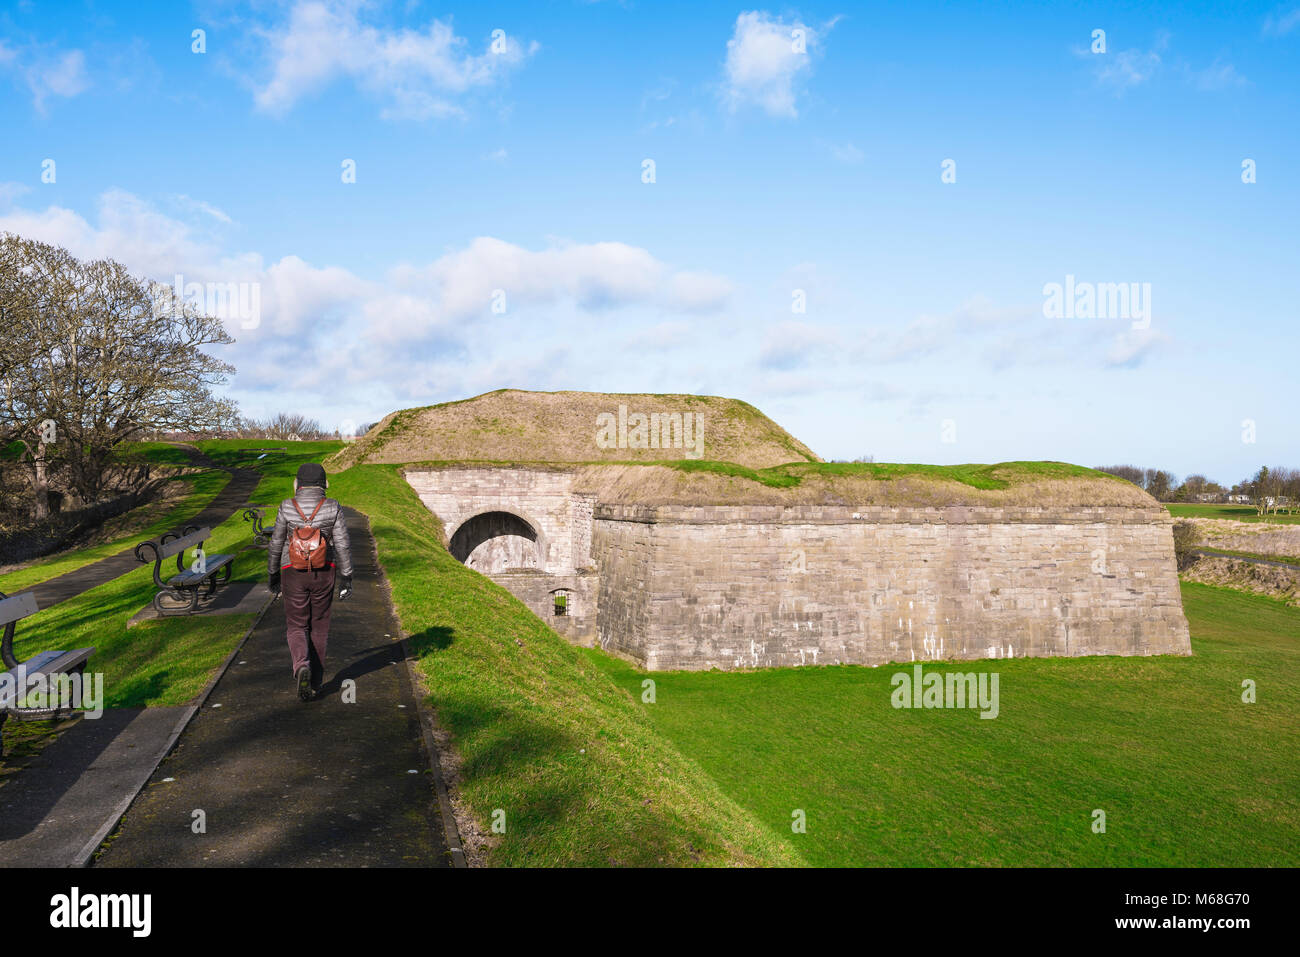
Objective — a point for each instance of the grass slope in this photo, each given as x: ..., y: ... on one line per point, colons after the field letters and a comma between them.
x: 1187, y: 774
x: 542, y: 733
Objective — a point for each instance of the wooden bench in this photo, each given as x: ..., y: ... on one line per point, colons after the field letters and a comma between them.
x: 48, y: 664
x: 186, y: 587
x: 257, y: 514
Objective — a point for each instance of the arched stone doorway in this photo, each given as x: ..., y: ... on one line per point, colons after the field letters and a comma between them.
x: 495, y: 542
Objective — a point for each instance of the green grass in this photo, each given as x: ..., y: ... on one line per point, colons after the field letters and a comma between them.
x: 1187, y: 774
x: 1236, y: 513
x: 542, y: 733
x: 159, y: 453
x: 205, y: 486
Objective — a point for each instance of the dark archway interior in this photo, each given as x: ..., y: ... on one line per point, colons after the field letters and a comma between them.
x: 495, y: 541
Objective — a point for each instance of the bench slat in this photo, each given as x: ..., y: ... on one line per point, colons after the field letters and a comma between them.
x: 19, y: 606
x: 215, y: 564
x: 180, y: 544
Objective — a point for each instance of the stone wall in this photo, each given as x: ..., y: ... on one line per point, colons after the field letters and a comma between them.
x: 698, y: 587
x: 541, y: 497
x: 537, y: 591
x: 754, y: 587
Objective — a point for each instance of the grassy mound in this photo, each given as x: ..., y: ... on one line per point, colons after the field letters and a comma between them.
x: 511, y: 425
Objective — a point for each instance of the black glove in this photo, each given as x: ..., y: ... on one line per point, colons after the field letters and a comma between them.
x: 345, y: 587
x: 275, y: 585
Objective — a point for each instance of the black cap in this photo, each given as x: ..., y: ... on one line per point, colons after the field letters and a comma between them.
x: 310, y: 473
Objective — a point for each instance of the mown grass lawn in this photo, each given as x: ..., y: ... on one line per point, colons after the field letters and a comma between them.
x: 1236, y: 513
x: 1187, y: 773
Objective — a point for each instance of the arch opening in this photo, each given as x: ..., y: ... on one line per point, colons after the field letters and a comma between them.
x: 496, y: 542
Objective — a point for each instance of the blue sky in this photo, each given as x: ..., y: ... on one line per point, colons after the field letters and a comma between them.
x: 782, y: 171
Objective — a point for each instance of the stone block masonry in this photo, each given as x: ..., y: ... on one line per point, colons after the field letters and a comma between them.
x: 754, y: 586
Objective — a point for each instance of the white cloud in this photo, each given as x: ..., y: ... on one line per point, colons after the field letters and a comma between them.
x: 1280, y: 24
x: 1217, y: 76
x: 662, y: 337
x: 207, y: 208
x: 10, y: 191
x: 418, y: 74
x: 394, y: 338
x: 47, y: 74
x: 793, y: 344
x: 765, y: 58
x: 847, y: 153
x: 1131, y: 346
x: 698, y: 291
x: 1125, y: 69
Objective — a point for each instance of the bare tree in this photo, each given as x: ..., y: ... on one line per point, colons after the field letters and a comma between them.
x: 284, y: 426
x: 92, y: 360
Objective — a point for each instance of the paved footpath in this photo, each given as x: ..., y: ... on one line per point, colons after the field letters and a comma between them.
x: 281, y: 782
x: 241, y: 485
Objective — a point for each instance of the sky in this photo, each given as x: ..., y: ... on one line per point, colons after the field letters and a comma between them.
x: 852, y: 216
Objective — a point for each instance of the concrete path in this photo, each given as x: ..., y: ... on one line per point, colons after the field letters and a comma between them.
x: 57, y: 810
x: 226, y: 503
x: 280, y: 782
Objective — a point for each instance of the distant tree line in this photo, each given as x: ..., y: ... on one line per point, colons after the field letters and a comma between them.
x: 1269, y: 489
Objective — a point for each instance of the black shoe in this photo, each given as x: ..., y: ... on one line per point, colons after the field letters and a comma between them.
x: 303, y: 677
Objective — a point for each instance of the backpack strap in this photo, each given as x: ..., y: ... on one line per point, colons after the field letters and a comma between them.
x: 313, y: 511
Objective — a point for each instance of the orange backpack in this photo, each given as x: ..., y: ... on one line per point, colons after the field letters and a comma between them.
x: 307, y: 551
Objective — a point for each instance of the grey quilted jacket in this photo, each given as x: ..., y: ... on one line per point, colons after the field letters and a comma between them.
x: 330, y: 520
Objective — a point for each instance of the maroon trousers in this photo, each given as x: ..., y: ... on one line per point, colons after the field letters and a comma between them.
x: 308, y: 598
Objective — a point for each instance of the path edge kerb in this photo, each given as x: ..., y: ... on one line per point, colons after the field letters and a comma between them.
x: 427, y: 718
x: 85, y: 856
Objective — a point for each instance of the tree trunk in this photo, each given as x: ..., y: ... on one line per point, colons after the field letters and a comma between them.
x: 39, y: 476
